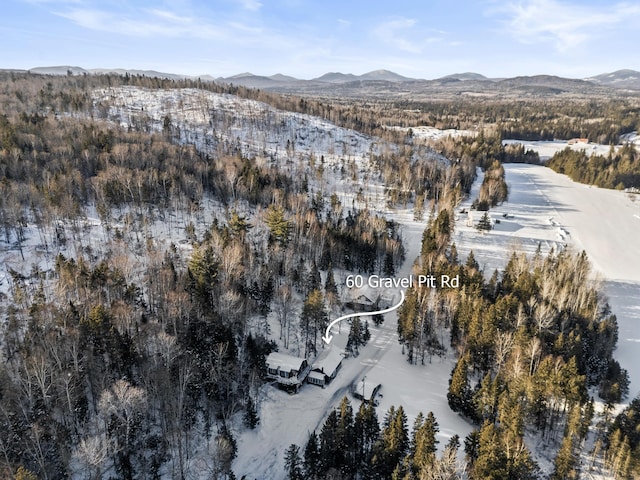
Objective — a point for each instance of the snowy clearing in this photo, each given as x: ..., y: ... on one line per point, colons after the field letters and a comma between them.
x: 287, y: 418
x: 548, y: 208
x: 547, y: 149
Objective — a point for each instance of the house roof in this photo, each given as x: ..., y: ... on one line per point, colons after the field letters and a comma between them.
x: 364, y: 300
x: 328, y: 361
x: 316, y: 376
x: 284, y: 362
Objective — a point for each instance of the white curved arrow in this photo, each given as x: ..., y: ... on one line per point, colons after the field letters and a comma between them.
x: 328, y: 337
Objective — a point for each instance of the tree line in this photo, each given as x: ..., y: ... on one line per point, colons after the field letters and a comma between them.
x: 356, y: 445
x: 620, y: 169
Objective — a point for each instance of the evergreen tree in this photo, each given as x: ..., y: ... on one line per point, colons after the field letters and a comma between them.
x: 329, y: 442
x: 423, y: 443
x: 203, y: 272
x: 565, y: 462
x: 344, y: 438
x: 393, y: 443
x: 250, y: 418
x: 238, y: 224
x: 366, y: 432
x: 313, y: 320
x: 484, y: 224
x: 279, y: 226
x: 313, y: 279
x: 330, y: 287
x: 355, y: 336
x: 460, y: 395
x: 366, y: 334
x: 293, y: 464
x: 312, y: 463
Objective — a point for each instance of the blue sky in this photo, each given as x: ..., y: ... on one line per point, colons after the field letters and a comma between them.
x: 306, y: 38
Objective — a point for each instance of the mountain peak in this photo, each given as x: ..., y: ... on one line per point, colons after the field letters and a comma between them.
x: 384, y: 75
x: 243, y: 74
x: 464, y: 76
x: 337, y: 77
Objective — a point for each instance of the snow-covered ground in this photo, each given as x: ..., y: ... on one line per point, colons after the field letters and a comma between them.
x: 433, y: 133
x: 205, y: 119
x: 548, y: 208
x: 547, y: 149
x: 287, y: 419
x: 544, y: 208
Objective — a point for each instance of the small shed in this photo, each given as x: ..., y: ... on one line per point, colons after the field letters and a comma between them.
x: 325, y: 367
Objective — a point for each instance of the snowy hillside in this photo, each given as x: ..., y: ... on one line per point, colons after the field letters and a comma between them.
x: 206, y: 119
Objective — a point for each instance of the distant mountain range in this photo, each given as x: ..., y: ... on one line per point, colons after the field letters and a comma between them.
x: 389, y: 84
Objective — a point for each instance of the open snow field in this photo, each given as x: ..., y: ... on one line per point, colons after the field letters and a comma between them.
x: 547, y: 149
x: 550, y: 209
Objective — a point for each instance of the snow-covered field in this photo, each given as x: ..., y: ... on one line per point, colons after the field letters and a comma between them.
x: 433, y: 133
x: 547, y: 149
x: 548, y: 208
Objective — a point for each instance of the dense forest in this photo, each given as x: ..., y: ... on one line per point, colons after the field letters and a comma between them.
x: 600, y: 120
x: 142, y: 274
x: 620, y: 169
x: 357, y: 446
x: 141, y: 271
x: 534, y: 343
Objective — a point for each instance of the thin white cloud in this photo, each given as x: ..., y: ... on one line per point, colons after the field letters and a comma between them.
x: 394, y: 33
x: 143, y: 24
x: 162, y: 23
x: 562, y: 24
x: 171, y: 16
x: 252, y: 5
x: 49, y: 2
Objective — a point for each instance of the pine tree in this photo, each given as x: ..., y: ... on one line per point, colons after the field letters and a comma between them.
x: 250, y: 418
x: 312, y: 463
x: 485, y: 222
x: 313, y: 320
x: 279, y: 226
x: 565, y: 462
x: 393, y: 444
x: 203, y: 272
x: 313, y: 279
x: 293, y: 464
x: 330, y: 287
x: 355, y: 334
x: 366, y: 432
x: 344, y: 437
x: 460, y: 396
x: 25, y: 474
x: 238, y: 224
x: 366, y: 334
x: 423, y: 444
x: 329, y: 442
